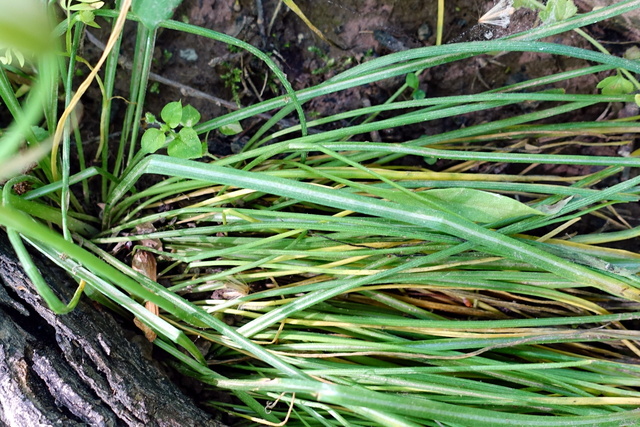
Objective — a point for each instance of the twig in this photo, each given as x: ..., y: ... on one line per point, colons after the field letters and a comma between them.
x: 260, y: 20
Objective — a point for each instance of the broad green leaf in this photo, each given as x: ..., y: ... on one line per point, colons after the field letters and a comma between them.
x: 172, y: 114
x: 481, y: 206
x: 430, y: 160
x: 40, y: 133
x: 187, y: 145
x: 615, y: 85
x: 558, y: 10
x: 231, y: 129
x: 412, y: 81
x: 190, y: 116
x: 152, y: 140
x: 153, y: 12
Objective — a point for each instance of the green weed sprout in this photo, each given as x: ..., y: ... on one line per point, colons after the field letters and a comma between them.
x: 184, y: 143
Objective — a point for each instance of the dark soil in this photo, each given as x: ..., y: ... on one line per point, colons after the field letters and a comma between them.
x: 215, y: 79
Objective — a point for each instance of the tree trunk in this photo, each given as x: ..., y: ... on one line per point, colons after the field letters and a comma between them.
x: 78, y: 368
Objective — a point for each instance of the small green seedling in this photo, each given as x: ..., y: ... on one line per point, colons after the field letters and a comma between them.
x: 330, y: 64
x: 85, y: 10
x: 233, y: 80
x: 413, y: 82
x: 184, y: 143
x: 616, y: 85
x: 328, y: 61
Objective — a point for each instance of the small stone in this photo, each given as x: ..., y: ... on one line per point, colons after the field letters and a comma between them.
x: 189, y: 55
x: 424, y: 32
x: 632, y: 53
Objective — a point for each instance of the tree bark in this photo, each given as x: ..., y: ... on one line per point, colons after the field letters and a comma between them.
x: 78, y: 368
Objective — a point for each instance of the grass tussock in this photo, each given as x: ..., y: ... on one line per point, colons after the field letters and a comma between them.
x: 318, y: 281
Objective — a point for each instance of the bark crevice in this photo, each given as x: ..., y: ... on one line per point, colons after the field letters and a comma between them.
x: 78, y: 368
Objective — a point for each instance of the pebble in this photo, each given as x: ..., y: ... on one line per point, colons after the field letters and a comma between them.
x: 424, y: 32
x: 189, y: 55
